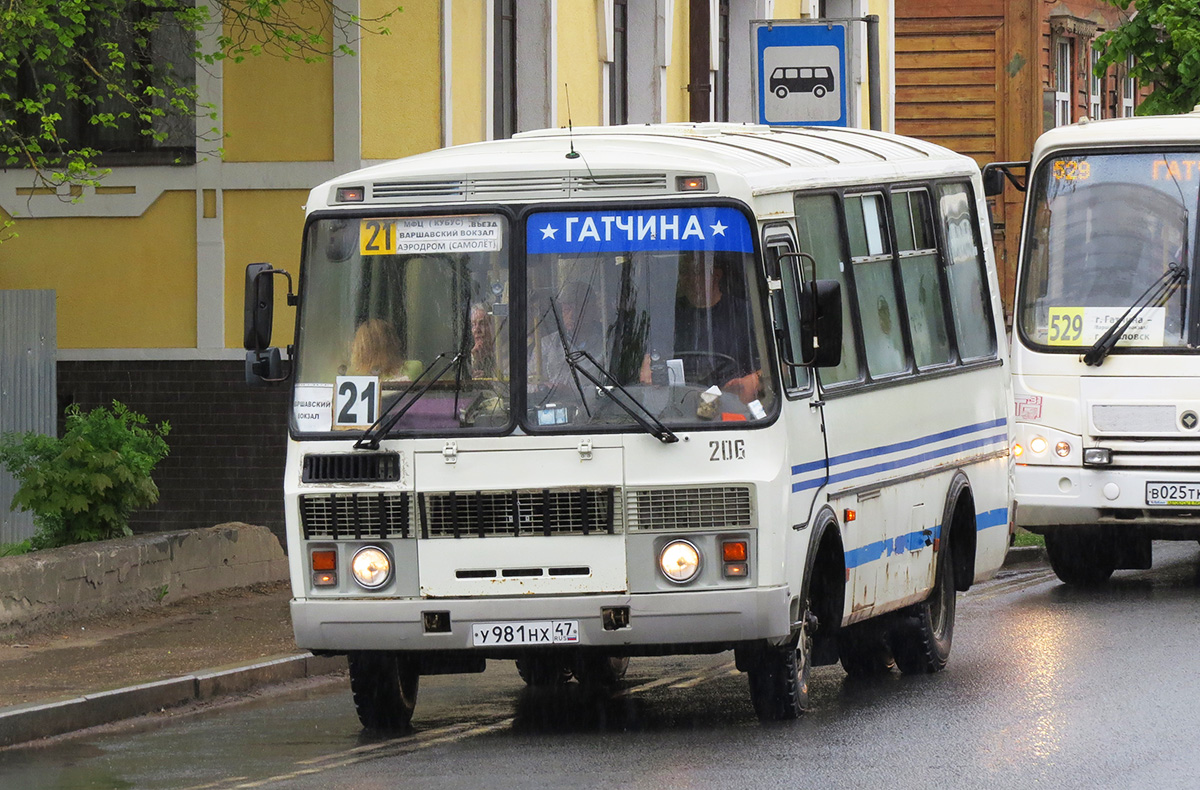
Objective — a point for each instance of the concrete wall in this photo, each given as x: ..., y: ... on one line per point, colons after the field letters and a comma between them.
x: 107, y: 577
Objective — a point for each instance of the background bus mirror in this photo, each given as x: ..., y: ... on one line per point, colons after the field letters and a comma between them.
x: 260, y: 305
x: 821, y: 324
x: 993, y: 181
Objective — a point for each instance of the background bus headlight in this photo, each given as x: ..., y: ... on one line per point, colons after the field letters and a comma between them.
x: 371, y: 567
x: 679, y: 561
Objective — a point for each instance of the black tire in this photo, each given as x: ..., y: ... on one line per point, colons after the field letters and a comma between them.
x: 385, y: 689
x: 1080, y: 558
x: 819, y: 91
x: 923, y: 634
x: 781, y: 92
x: 543, y: 670
x: 864, y: 651
x: 600, y: 671
x: 779, y: 677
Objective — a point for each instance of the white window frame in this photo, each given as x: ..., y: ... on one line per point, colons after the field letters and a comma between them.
x: 1062, y: 82
x: 1096, y: 92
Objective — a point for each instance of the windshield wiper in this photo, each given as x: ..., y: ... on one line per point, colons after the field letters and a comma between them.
x: 391, y: 415
x: 634, y: 408
x: 1158, y: 293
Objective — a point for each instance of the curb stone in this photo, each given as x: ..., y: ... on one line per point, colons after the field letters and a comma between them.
x: 1020, y: 556
x: 23, y: 723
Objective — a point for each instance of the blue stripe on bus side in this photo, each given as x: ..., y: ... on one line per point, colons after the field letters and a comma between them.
x: 897, y: 447
x: 940, y: 452
x: 915, y: 541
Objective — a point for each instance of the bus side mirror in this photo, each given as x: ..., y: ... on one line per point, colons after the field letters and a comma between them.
x: 260, y: 305
x: 993, y: 181
x: 821, y: 324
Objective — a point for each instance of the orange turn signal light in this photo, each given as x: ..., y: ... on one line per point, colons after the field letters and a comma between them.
x: 849, y: 515
x: 324, y: 560
x: 733, y: 551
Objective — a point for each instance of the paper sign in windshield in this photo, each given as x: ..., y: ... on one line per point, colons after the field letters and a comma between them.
x: 424, y: 235
x: 313, y: 407
x: 1083, y: 326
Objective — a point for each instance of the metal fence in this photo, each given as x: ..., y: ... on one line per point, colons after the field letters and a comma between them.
x: 28, y: 385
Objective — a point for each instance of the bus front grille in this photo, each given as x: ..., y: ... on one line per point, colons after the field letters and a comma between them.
x: 494, y: 514
x: 355, y: 516
x: 692, y: 507
x: 350, y: 468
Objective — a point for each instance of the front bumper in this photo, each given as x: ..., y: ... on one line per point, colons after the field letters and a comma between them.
x: 1051, y: 496
x: 658, y: 620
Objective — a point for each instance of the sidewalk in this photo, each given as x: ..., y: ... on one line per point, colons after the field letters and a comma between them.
x: 102, y: 670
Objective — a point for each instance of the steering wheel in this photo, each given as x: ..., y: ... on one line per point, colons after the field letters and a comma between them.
x: 708, y: 367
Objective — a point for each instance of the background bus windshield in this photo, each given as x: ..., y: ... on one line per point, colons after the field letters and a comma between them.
x: 1103, y: 231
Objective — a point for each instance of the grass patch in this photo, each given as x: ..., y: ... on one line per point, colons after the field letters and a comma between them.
x: 1026, y: 538
x: 14, y: 549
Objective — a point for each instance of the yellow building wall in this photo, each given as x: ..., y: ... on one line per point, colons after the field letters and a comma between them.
x: 121, y: 282
x: 676, y: 107
x: 277, y: 110
x: 468, y: 80
x: 402, y: 81
x: 261, y: 225
x: 579, y: 69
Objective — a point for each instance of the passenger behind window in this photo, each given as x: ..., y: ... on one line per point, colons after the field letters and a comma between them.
x: 576, y: 307
x: 376, y: 350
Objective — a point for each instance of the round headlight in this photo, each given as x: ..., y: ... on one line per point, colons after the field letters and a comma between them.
x: 679, y: 561
x: 1037, y: 444
x: 371, y: 567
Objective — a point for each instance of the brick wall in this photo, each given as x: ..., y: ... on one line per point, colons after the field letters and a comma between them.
x: 228, y: 440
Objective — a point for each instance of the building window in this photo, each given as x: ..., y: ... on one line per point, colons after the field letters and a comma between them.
x: 618, y: 76
x: 1062, y: 83
x: 1096, y: 94
x: 504, y: 70
x: 1128, y: 89
x: 159, y: 52
x: 721, y: 78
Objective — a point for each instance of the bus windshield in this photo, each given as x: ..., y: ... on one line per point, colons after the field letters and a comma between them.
x: 660, y: 306
x: 1105, y: 234
x: 625, y: 328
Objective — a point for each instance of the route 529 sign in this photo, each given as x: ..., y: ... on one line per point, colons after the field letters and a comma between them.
x: 355, y: 401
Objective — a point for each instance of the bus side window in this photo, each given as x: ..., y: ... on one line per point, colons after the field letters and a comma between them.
x: 819, y: 233
x: 964, y: 270
x: 918, y: 254
x: 875, y: 283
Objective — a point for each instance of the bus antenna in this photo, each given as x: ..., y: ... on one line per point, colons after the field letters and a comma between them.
x: 572, y: 154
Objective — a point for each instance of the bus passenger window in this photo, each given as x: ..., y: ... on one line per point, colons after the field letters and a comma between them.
x: 818, y: 229
x: 965, y: 273
x: 919, y: 275
x: 875, y: 282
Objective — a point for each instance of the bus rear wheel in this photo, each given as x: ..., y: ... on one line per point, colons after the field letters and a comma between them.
x: 922, y: 638
x: 864, y: 651
x: 385, y: 689
x: 1081, y: 558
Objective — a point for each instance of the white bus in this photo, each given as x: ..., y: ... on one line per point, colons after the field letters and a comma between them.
x: 1105, y: 361
x: 579, y: 396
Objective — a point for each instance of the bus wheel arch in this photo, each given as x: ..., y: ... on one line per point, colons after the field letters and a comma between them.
x: 958, y: 526
x: 825, y: 578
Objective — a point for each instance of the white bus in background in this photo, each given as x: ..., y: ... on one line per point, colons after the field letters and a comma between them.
x: 1105, y: 362
x: 576, y: 397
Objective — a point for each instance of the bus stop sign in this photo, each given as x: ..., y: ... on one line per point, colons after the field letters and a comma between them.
x: 801, y: 73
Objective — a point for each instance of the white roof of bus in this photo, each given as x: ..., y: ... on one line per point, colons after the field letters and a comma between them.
x: 744, y: 158
x: 1128, y: 132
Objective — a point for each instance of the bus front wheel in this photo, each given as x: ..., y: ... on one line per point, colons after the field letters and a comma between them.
x: 385, y: 689
x: 779, y: 675
x: 781, y: 92
x: 1081, y: 558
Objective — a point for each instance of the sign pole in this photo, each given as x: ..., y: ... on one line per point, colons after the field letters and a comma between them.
x: 874, y: 88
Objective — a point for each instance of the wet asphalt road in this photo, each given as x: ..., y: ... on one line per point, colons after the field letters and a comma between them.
x: 1047, y: 687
